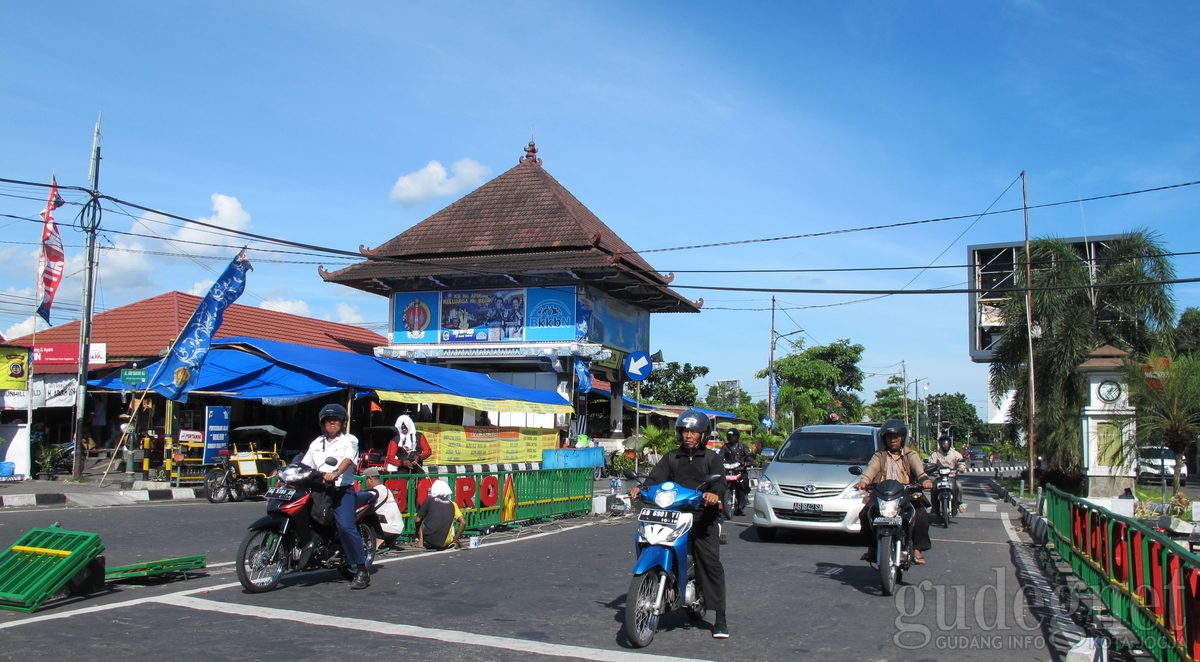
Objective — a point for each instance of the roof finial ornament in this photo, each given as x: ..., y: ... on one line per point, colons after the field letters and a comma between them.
x: 531, y: 154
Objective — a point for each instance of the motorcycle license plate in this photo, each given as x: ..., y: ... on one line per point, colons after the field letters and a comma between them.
x: 657, y: 516
x: 886, y: 521
x: 285, y: 493
x: 944, y: 485
x: 807, y: 507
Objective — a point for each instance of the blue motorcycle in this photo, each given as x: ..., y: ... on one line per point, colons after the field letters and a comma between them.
x: 663, y: 558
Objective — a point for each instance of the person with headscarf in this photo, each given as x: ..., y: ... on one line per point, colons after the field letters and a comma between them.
x: 406, y: 451
x: 436, y: 518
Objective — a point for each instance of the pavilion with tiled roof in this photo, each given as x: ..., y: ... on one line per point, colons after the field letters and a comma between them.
x: 522, y: 229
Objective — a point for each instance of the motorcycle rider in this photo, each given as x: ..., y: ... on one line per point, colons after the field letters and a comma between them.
x: 343, y: 448
x: 689, y: 465
x: 946, y: 456
x: 734, y: 451
x: 895, y: 462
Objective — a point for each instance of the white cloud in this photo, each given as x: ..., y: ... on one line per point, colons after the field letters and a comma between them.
x: 120, y: 269
x: 228, y: 214
x: 201, y: 288
x: 348, y: 314
x: 431, y: 181
x: 25, y: 327
x: 293, y: 306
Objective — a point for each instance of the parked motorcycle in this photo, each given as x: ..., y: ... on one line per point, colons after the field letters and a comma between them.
x: 664, y: 577
x: 943, y: 494
x: 892, y: 513
x: 243, y: 474
x: 289, y: 540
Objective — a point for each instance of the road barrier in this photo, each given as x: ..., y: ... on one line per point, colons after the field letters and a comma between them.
x: 42, y: 562
x: 1149, y: 582
x: 494, y: 498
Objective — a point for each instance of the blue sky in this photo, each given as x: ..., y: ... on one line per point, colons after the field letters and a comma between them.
x: 676, y: 123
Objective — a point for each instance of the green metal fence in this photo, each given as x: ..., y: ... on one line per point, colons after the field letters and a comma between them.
x: 40, y: 563
x: 495, y: 498
x: 1146, y: 580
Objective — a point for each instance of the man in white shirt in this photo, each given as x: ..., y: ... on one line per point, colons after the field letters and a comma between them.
x: 390, y: 520
x: 343, y: 449
x: 947, y: 456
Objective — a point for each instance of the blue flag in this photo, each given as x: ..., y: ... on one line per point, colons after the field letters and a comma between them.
x: 179, y: 371
x: 584, y: 375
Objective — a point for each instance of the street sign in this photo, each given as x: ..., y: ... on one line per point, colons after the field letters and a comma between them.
x: 638, y: 366
x: 134, y: 375
x: 767, y: 422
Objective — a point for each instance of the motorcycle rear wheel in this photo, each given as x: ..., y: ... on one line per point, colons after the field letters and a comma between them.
x: 641, y: 612
x: 888, y: 575
x: 260, y: 560
x: 216, y: 487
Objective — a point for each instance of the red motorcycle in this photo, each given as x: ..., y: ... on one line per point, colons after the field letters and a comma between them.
x: 294, y: 538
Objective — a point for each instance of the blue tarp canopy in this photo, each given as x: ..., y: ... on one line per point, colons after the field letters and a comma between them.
x: 280, y: 373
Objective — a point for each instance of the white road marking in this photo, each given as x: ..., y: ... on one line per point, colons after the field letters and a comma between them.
x: 1012, y: 535
x: 987, y: 507
x: 969, y: 542
x: 218, y: 565
x: 395, y: 629
x: 110, y: 606
x: 483, y: 544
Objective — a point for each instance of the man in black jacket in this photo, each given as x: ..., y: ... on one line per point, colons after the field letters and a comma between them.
x: 734, y: 451
x: 689, y: 465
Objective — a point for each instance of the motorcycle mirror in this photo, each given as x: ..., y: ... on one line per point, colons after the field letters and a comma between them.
x: 856, y: 470
x: 630, y: 474
x: 713, y: 479
x: 331, y: 462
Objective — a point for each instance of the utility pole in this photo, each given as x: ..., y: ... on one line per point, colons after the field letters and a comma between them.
x: 1029, y: 329
x: 90, y: 225
x: 771, y: 370
x: 904, y: 378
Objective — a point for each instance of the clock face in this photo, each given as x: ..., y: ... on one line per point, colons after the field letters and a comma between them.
x: 1109, y: 391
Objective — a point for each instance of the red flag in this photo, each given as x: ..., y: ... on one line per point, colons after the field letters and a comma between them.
x: 375, y: 407
x: 51, y: 261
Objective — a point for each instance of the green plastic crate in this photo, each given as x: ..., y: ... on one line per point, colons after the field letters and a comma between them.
x: 42, y: 562
x: 160, y: 567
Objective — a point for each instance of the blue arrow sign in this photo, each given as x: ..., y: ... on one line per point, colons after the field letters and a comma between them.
x: 767, y: 422
x: 638, y: 366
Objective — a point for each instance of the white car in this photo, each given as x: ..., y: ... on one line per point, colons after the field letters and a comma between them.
x: 1155, y: 461
x: 808, y: 485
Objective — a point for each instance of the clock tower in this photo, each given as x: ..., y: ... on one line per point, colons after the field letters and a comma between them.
x: 1105, y: 425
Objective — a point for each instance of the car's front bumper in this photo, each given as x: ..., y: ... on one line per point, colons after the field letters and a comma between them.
x: 774, y: 511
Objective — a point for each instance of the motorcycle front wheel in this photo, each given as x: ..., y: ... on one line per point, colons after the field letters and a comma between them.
x: 887, y: 570
x: 260, y: 560
x: 947, y: 511
x: 641, y: 611
x: 216, y: 487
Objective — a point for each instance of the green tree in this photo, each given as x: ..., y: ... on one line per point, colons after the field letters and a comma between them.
x: 1071, y: 319
x: 957, y: 417
x: 889, y: 401
x: 819, y: 381
x: 1167, y: 409
x: 1187, y: 332
x: 672, y: 385
x: 725, y: 399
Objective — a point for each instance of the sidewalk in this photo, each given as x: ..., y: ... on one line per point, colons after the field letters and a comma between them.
x: 89, y: 494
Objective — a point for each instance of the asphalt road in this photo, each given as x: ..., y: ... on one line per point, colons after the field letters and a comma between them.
x: 560, y: 594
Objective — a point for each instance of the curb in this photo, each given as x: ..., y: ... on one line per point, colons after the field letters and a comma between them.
x: 92, y: 500
x: 1035, y: 525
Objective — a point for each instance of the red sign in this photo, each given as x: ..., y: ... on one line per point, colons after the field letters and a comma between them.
x: 56, y: 354
x: 1157, y: 372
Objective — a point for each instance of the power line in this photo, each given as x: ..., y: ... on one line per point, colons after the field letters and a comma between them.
x: 881, y: 293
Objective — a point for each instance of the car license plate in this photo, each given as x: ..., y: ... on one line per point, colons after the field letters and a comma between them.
x: 285, y: 493
x: 886, y: 521
x: 656, y: 516
x: 807, y: 507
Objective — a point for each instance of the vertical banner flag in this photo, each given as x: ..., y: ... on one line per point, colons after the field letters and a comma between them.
x: 51, y: 261
x: 180, y: 369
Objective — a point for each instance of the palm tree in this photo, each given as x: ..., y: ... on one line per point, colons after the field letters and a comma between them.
x: 1168, y: 407
x: 1097, y: 304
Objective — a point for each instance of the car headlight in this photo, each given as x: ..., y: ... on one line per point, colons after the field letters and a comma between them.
x: 888, y: 508
x: 664, y: 498
x: 851, y: 492
x: 765, y: 486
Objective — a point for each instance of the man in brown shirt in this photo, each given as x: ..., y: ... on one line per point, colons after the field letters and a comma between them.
x: 895, y: 462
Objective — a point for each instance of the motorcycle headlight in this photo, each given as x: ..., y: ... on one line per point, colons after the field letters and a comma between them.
x: 765, y: 486
x: 851, y: 492
x: 888, y: 508
x: 664, y: 498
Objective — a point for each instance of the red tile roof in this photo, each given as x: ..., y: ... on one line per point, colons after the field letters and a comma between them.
x: 146, y: 328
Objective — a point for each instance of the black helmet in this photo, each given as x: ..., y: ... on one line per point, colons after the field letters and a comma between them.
x: 893, y: 426
x: 733, y: 435
x: 945, y: 440
x: 692, y: 419
x: 332, y: 411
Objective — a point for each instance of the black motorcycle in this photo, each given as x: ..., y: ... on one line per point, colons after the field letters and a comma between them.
x: 943, y: 494
x: 289, y: 539
x: 892, y: 514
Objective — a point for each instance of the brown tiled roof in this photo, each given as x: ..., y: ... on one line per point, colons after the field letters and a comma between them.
x: 522, y: 221
x: 146, y: 328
